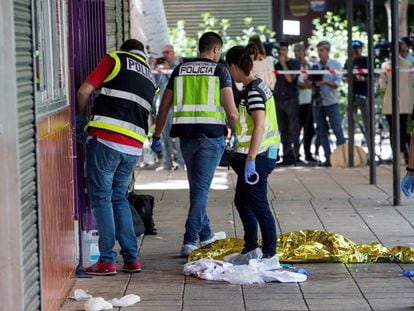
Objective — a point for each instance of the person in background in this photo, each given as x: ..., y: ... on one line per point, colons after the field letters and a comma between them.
x: 407, y: 183
x: 406, y: 96
x: 117, y: 129
x: 405, y: 44
x: 305, y: 107
x: 201, y: 92
x: 287, y: 105
x: 263, y: 65
x: 255, y: 157
x: 328, y: 105
x: 169, y: 61
x: 360, y: 85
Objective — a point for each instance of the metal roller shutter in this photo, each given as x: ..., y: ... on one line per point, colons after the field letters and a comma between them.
x: 110, y: 24
x: 234, y: 10
x: 27, y: 153
x: 126, y: 21
x: 117, y: 23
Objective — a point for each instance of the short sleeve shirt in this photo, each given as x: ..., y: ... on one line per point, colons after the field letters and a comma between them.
x: 252, y: 96
x: 283, y: 89
x: 201, y: 130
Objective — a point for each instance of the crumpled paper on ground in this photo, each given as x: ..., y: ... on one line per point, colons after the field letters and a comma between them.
x: 313, y: 246
x: 97, y: 304
x: 252, y: 273
x: 126, y: 301
x: 80, y: 294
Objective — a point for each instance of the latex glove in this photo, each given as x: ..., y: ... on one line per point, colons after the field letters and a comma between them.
x: 81, y: 134
x: 156, y: 145
x: 249, y: 169
x: 407, y: 185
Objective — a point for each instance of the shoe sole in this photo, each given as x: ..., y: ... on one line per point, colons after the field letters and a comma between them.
x: 101, y: 273
x: 131, y: 271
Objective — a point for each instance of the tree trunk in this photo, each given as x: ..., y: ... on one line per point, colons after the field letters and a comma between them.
x: 149, y: 24
x: 402, y: 17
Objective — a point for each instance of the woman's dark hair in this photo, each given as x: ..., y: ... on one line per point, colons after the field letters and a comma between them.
x: 239, y: 56
x: 255, y: 39
x: 253, y: 51
x: 132, y: 44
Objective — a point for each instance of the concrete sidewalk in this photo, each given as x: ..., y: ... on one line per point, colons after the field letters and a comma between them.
x: 338, y: 200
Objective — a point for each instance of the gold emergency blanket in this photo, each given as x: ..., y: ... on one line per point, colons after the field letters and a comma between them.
x: 313, y: 246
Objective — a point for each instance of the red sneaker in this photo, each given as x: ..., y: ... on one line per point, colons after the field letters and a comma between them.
x: 100, y: 268
x: 132, y: 266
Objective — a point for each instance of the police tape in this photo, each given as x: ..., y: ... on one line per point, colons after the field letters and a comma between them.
x: 308, y: 72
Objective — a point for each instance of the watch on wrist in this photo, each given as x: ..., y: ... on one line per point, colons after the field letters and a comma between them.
x: 156, y: 137
x: 408, y: 169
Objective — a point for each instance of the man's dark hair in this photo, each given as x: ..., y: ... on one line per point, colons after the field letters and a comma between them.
x: 132, y: 44
x: 208, y: 41
x: 283, y: 43
x: 324, y: 44
x: 406, y: 40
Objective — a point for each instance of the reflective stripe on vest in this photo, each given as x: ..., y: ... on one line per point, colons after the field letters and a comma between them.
x: 197, y: 100
x: 128, y: 96
x: 118, y: 126
x: 245, y: 125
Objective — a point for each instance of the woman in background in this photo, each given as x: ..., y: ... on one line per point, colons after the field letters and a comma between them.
x: 263, y: 65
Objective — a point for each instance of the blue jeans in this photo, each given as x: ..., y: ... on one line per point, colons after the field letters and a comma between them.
x: 201, y: 156
x: 253, y: 207
x: 109, y: 173
x: 169, y: 143
x: 332, y: 112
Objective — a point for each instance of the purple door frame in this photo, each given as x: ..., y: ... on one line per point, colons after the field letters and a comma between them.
x: 87, y: 45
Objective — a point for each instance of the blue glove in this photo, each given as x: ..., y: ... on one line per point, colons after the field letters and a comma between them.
x: 81, y: 134
x: 249, y: 169
x: 407, y: 185
x: 156, y: 145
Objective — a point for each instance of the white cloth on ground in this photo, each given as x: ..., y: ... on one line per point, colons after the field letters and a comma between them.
x: 80, y: 294
x: 126, y: 301
x: 97, y: 304
x: 253, y: 273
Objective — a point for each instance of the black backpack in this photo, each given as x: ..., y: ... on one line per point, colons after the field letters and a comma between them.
x: 143, y: 204
x: 139, y: 226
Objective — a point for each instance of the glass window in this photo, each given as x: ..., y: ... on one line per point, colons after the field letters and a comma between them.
x: 50, y: 56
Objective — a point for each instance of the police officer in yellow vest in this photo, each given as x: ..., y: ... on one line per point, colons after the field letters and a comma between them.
x: 117, y: 129
x: 255, y: 158
x: 202, y: 96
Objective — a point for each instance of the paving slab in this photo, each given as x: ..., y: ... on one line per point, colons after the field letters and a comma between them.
x: 331, y: 199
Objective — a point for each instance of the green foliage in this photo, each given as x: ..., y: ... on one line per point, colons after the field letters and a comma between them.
x: 334, y: 30
x: 183, y: 45
x: 187, y: 46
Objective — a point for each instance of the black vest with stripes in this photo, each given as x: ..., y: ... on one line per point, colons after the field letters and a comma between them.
x: 128, y: 92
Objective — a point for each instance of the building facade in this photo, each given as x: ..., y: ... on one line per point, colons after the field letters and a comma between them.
x: 48, y: 47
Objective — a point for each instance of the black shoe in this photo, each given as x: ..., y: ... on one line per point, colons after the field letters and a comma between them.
x: 287, y: 163
x: 326, y: 164
x: 310, y: 159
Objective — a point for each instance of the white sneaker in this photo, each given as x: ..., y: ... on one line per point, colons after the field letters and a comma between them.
x: 216, y: 236
x: 243, y: 259
x: 187, y: 249
x: 271, y: 263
